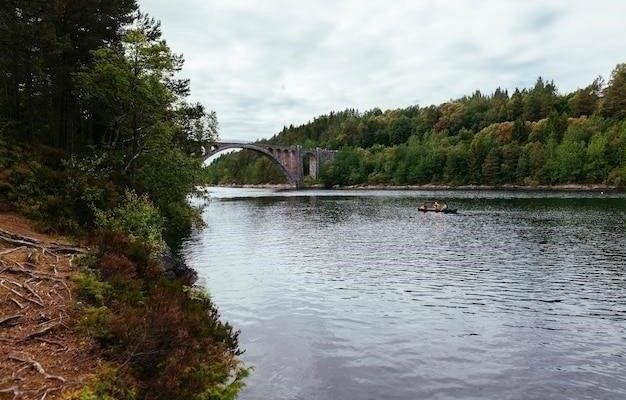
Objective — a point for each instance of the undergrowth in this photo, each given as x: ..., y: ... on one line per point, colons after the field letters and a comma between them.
x: 163, y: 333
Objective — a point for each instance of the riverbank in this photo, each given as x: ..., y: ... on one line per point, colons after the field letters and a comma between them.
x: 108, y: 323
x: 431, y: 187
x: 41, y: 353
x: 537, y: 188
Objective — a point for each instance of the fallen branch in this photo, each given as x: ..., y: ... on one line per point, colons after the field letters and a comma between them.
x: 36, y: 366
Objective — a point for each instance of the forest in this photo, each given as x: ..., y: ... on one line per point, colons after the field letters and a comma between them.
x: 533, y: 136
x: 99, y: 142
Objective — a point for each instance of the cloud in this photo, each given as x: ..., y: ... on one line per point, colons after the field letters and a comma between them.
x: 265, y: 64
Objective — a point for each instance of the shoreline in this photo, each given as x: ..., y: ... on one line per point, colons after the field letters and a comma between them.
x: 430, y: 187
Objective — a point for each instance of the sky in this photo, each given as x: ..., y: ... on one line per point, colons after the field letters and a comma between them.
x: 265, y: 64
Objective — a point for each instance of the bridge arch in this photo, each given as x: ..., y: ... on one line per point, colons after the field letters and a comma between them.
x: 215, y: 149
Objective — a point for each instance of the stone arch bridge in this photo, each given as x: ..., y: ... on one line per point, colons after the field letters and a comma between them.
x: 296, y: 162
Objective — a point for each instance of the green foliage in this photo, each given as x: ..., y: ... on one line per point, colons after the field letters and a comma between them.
x: 43, y: 43
x: 585, y: 101
x: 535, y: 136
x: 227, y: 391
x: 95, y: 323
x: 309, y: 181
x: 137, y: 217
x: 90, y: 288
x: 95, y: 132
x: 108, y: 384
x: 245, y: 167
x: 614, y: 100
x: 346, y: 169
x: 570, y: 161
x: 61, y: 195
x: 169, y: 337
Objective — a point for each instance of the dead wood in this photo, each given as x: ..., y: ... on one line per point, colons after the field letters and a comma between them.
x: 36, y: 366
x: 21, y: 295
x: 21, y: 240
x: 20, y: 305
x: 13, y: 389
x: 11, y: 318
x: 4, y: 252
x: 32, y: 291
x: 48, y: 390
x: 32, y: 274
x: 46, y: 327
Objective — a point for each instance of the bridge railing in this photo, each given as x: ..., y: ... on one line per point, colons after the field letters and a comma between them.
x: 240, y: 141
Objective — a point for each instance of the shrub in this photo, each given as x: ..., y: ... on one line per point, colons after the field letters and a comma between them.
x: 137, y: 217
x: 95, y: 322
x: 169, y: 337
x: 90, y: 288
x: 108, y: 384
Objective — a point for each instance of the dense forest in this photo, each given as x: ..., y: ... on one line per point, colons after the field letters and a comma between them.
x: 532, y: 136
x: 97, y: 140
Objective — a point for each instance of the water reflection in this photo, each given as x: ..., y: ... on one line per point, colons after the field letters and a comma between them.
x: 358, y: 296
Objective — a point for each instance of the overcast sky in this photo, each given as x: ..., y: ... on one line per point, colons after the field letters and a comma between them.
x: 263, y: 64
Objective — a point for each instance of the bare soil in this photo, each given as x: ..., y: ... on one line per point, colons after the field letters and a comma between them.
x: 41, y: 354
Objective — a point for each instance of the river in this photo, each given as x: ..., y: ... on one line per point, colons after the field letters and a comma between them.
x: 356, y: 295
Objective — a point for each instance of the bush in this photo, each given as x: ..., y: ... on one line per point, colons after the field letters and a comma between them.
x: 95, y: 322
x: 137, y: 217
x: 169, y: 336
x: 90, y: 288
x: 108, y: 384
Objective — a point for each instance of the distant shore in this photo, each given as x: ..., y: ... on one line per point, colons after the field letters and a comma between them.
x: 429, y: 187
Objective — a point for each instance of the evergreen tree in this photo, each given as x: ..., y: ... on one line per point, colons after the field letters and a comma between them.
x: 614, y: 100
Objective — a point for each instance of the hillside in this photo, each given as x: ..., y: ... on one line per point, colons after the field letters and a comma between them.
x: 532, y: 136
x: 99, y: 142
x: 41, y: 351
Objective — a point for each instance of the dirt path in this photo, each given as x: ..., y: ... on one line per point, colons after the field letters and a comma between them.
x: 41, y: 355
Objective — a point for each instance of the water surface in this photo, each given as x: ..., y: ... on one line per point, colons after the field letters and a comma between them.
x: 357, y: 295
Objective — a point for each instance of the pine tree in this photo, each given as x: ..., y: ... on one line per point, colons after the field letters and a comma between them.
x: 614, y: 100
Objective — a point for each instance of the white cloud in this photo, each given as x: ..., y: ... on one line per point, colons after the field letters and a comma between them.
x: 265, y: 64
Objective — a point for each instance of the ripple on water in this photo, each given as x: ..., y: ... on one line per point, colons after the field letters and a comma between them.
x: 355, y: 296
